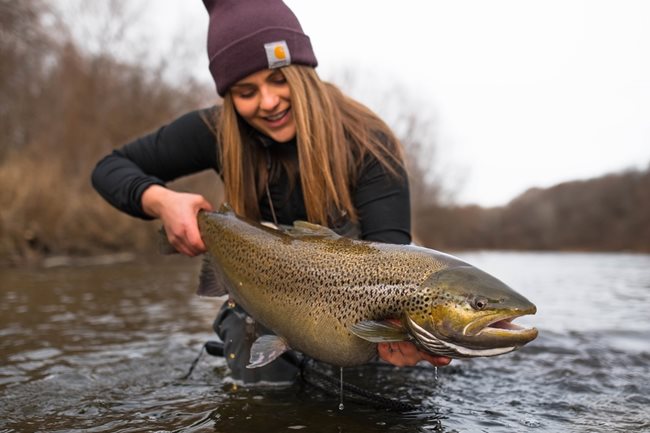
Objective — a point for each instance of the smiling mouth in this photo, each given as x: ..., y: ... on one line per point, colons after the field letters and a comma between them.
x: 276, y: 117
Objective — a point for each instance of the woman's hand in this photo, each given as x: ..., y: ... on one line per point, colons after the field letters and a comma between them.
x: 405, y: 353
x: 178, y: 211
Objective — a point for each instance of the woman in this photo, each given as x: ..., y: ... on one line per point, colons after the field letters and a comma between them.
x: 287, y: 146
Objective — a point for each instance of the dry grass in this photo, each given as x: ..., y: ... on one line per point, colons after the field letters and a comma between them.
x: 59, y: 114
x: 45, y: 211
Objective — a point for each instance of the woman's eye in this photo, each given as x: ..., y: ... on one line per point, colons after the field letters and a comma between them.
x: 278, y: 79
x: 246, y: 95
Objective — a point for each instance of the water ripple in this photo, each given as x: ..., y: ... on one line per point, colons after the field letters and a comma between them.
x: 104, y: 348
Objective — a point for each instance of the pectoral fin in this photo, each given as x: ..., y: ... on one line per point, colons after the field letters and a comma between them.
x: 266, y: 349
x: 380, y: 332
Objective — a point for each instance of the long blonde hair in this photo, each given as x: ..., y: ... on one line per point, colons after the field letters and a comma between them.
x: 334, y: 136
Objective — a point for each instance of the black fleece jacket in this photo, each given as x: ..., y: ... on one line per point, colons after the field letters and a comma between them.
x: 188, y: 145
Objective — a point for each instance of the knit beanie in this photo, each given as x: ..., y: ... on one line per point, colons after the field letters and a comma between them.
x: 246, y: 36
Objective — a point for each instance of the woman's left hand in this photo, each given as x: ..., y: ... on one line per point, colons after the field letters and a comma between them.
x: 405, y: 353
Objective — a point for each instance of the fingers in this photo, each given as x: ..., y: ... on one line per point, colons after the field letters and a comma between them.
x: 205, y: 205
x: 186, y: 239
x: 403, y: 353
x: 193, y: 235
x: 178, y: 213
x: 438, y: 361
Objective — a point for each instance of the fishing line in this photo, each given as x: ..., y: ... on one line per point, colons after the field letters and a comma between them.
x: 213, y: 348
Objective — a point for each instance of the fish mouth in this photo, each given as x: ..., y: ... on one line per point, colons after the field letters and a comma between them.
x: 500, y: 326
x: 442, y: 347
x: 489, y: 335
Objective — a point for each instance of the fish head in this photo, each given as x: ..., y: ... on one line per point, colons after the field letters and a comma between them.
x: 465, y: 312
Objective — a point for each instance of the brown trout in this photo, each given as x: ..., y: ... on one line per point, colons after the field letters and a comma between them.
x: 333, y: 298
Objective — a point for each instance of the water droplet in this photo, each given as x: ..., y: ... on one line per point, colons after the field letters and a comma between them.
x: 435, y: 372
x: 341, y: 407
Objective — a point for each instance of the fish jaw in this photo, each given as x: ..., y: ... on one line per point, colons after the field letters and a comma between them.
x: 436, y: 345
x: 471, y: 314
x: 495, y: 338
x: 499, y: 328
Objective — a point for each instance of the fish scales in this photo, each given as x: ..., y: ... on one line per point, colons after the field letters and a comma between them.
x: 322, y: 283
x: 334, y: 298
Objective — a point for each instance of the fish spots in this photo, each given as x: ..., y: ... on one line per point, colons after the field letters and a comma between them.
x: 316, y: 285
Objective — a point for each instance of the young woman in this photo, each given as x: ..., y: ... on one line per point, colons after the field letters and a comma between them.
x: 288, y: 147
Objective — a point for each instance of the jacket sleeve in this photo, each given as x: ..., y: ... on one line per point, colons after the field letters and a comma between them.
x: 383, y: 204
x: 186, y: 145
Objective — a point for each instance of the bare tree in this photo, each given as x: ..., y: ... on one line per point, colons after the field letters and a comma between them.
x: 25, y: 46
x: 66, y: 107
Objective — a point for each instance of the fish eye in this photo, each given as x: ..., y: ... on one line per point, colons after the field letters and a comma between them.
x: 479, y: 303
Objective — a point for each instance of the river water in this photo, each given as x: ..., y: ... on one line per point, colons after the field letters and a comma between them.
x: 104, y: 348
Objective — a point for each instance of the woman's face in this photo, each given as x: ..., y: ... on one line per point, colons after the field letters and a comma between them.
x: 263, y: 99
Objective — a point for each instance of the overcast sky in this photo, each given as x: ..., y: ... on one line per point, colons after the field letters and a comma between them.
x: 525, y: 93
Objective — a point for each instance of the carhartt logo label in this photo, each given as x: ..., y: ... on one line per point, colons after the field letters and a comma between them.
x: 277, y: 53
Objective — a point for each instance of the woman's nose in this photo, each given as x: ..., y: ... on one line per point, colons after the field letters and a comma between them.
x: 270, y: 99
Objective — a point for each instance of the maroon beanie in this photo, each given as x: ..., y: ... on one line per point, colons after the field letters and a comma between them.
x: 246, y: 36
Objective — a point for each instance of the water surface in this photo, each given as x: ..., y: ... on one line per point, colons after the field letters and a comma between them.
x: 103, y: 348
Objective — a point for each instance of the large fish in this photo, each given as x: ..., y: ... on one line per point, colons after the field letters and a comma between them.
x: 333, y: 298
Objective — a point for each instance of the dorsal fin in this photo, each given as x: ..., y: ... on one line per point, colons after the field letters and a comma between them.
x: 304, y: 228
x: 226, y: 208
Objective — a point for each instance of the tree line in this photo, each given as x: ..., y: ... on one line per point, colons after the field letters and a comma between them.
x: 607, y: 213
x: 63, y: 107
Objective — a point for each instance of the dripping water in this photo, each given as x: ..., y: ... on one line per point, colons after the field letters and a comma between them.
x: 341, y: 407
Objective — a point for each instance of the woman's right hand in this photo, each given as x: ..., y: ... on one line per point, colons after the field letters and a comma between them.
x: 177, y: 211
